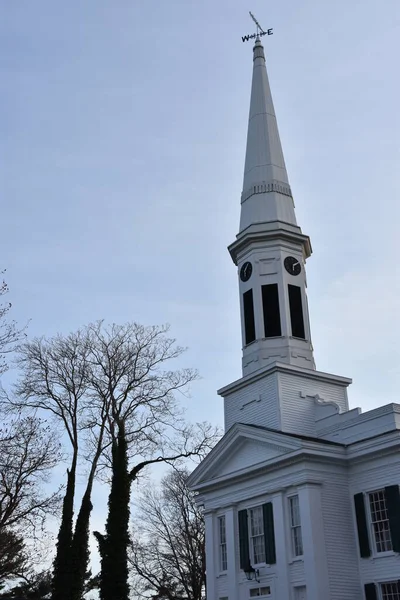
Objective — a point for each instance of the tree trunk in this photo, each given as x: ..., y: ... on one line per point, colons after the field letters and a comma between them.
x: 62, y: 564
x: 79, y: 558
x: 114, y: 545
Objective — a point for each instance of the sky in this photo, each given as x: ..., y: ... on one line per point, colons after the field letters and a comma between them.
x: 122, y: 142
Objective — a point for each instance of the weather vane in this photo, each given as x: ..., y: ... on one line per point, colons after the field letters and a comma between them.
x: 260, y: 31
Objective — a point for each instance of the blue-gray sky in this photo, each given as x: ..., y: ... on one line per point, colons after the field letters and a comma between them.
x: 122, y: 141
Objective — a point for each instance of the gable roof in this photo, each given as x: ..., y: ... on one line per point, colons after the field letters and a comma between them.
x: 246, y: 449
x: 299, y: 436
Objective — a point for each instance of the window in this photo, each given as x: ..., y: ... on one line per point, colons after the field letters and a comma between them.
x: 295, y: 526
x: 390, y: 590
x: 256, y: 536
x: 272, y: 317
x: 223, y: 557
x: 296, y: 312
x: 260, y: 591
x: 257, y: 541
x: 380, y: 521
x: 300, y: 592
x: 248, y: 315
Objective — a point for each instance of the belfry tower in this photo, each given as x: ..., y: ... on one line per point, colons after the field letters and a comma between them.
x: 270, y: 249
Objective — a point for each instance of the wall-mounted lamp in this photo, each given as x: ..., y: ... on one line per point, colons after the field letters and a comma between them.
x: 252, y: 573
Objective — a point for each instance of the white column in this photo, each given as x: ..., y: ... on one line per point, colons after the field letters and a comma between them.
x: 312, y: 530
x: 211, y: 559
x: 282, y: 572
x: 231, y: 541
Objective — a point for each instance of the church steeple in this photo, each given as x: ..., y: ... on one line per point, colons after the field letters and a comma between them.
x: 265, y: 170
x: 270, y: 250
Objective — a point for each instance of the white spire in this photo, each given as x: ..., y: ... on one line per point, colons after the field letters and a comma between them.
x: 266, y: 192
x: 270, y: 249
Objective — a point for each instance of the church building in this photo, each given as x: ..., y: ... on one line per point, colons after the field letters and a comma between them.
x: 301, y: 495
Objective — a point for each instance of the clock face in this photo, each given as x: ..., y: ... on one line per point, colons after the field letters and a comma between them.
x: 292, y: 265
x: 246, y: 271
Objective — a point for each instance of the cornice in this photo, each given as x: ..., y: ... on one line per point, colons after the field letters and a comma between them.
x: 265, y: 232
x: 283, y: 368
x: 277, y: 486
x: 359, y: 418
x: 311, y: 453
x: 382, y: 444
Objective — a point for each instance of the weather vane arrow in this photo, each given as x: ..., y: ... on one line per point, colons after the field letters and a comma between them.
x: 260, y: 31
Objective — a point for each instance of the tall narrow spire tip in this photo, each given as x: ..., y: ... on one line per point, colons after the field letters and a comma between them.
x: 266, y: 192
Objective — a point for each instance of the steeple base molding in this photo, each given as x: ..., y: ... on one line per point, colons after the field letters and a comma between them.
x: 286, y: 398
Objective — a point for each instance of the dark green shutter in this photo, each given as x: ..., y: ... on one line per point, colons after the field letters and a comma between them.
x: 244, y: 540
x: 392, y: 497
x: 269, y: 533
x: 370, y: 591
x: 362, y: 528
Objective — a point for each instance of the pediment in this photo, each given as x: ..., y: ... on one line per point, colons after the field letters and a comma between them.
x: 243, y: 448
x: 249, y: 453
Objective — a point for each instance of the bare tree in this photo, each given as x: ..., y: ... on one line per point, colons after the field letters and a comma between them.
x: 28, y: 453
x: 146, y: 426
x: 10, y: 335
x: 56, y: 378
x: 112, y: 392
x: 167, y: 553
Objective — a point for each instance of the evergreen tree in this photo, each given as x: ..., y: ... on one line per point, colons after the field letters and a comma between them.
x: 62, y: 571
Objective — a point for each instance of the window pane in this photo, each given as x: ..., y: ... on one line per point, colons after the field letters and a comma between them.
x: 297, y: 542
x: 263, y: 591
x: 390, y: 590
x: 256, y: 521
x: 294, y: 511
x: 223, y: 556
x: 257, y: 543
x: 222, y: 532
x: 258, y: 549
x: 295, y: 527
x: 380, y: 521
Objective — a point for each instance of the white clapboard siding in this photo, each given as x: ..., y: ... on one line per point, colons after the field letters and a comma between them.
x: 298, y: 403
x: 222, y: 586
x: 340, y: 541
x: 256, y: 404
x: 296, y: 572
